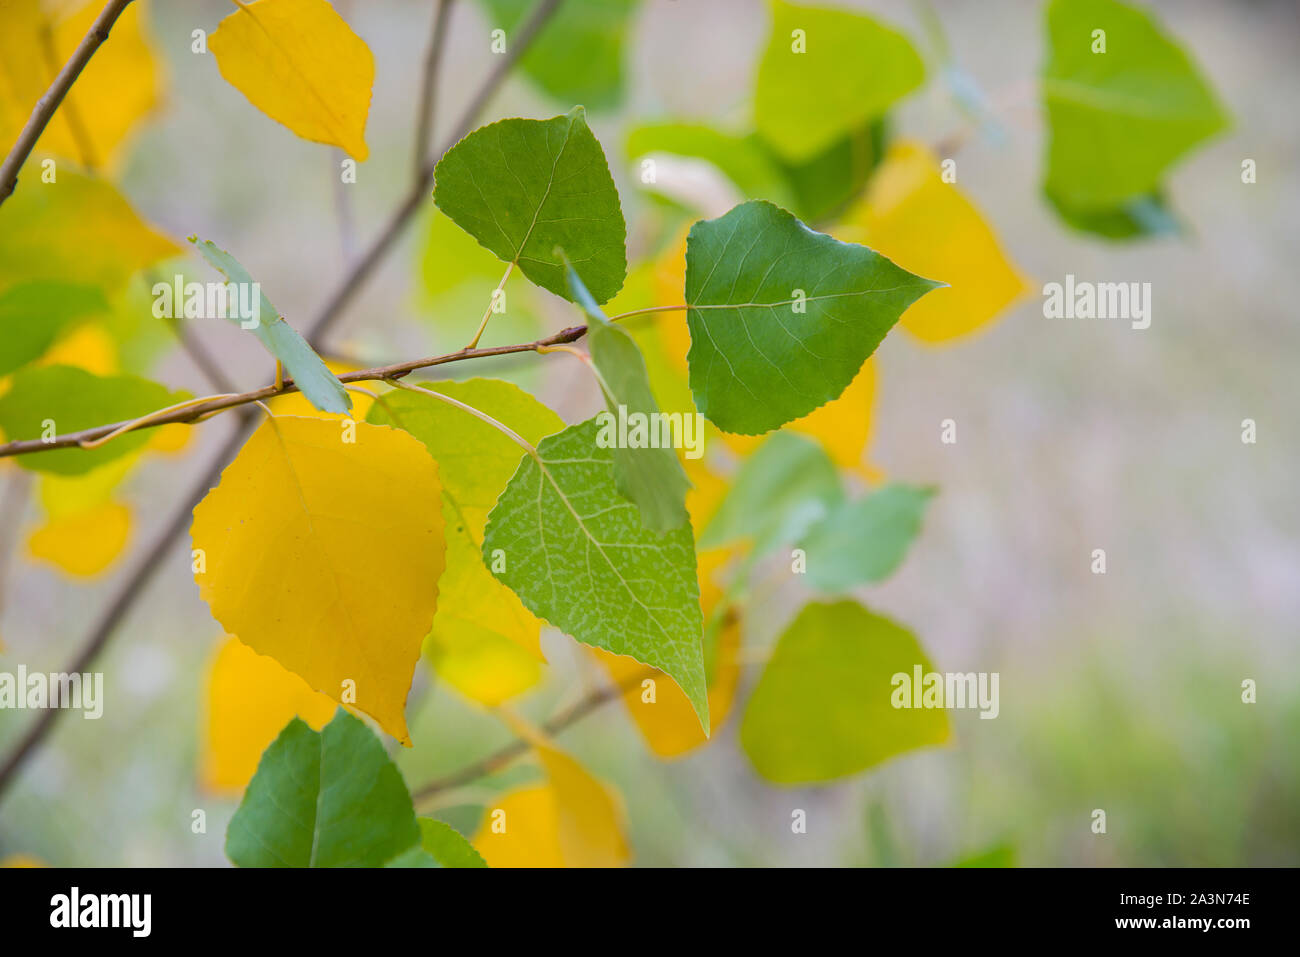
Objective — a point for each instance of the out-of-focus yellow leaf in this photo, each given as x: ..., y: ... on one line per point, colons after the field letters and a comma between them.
x: 300, y: 63
x: 116, y: 91
x: 63, y: 496
x: 929, y: 227
x: 572, y: 821
x: 250, y: 698
x: 85, y: 543
x: 170, y: 439
x: 668, y: 722
x: 481, y: 663
x: 284, y: 571
x: 88, y: 347
x: 80, y: 230
x: 22, y: 860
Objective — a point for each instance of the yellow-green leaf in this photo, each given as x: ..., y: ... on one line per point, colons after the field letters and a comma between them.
x: 281, y: 567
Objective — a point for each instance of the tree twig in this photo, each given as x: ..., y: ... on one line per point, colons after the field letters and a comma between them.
x: 194, y: 410
x: 427, y: 109
x: 372, y: 257
x: 49, y: 102
x: 507, y: 753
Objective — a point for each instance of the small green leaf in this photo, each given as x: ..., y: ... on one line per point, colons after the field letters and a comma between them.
x: 651, y: 477
x: 782, y: 317
x: 1117, y: 120
x: 68, y: 399
x: 1145, y: 216
x: 782, y: 489
x: 445, y: 845
x: 838, y: 73
x: 575, y: 552
x: 825, y: 183
x: 863, y: 541
x: 321, y: 387
x: 822, y: 708
x: 524, y: 188
x: 578, y: 56
x: 33, y: 314
x: 327, y: 799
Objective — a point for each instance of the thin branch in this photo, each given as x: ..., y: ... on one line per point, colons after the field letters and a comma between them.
x: 372, y: 257
x: 500, y: 758
x: 49, y: 102
x: 428, y: 91
x: 195, y: 409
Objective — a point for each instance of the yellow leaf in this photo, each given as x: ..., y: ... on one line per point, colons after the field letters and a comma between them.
x: 22, y: 860
x: 80, y: 229
x: 929, y: 227
x: 88, y: 347
x: 480, y: 662
x: 170, y: 439
x: 116, y: 91
x: 250, y: 699
x: 300, y: 63
x: 281, y: 539
x: 84, y: 543
x: 571, y: 821
x: 295, y: 403
x: 667, y: 721
x: 63, y: 496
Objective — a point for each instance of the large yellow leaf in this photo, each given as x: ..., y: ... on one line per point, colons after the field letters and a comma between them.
x: 250, y: 699
x: 117, y: 90
x: 571, y: 821
x: 929, y: 227
x: 300, y: 63
x: 285, y: 572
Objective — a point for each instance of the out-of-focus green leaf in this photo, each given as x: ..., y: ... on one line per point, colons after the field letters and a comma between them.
x: 1145, y: 216
x: 1117, y: 120
x: 33, y: 314
x: 863, y: 541
x: 785, y: 487
x: 850, y: 71
x: 578, y: 56
x: 822, y: 709
x: 71, y: 399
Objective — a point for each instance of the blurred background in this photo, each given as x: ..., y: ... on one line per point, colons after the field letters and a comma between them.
x: 1118, y: 691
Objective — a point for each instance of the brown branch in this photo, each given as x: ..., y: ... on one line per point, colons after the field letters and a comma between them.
x: 193, y: 412
x: 424, y: 114
x: 49, y: 102
x: 500, y: 758
x: 372, y: 257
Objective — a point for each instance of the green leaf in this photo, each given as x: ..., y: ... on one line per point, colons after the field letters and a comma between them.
x: 475, y: 462
x: 73, y: 399
x: 822, y: 708
x: 744, y: 160
x: 321, y: 387
x: 445, y: 845
x: 651, y: 477
x: 782, y: 317
x: 522, y: 188
x: 781, y: 490
x: 826, y: 183
x: 578, y: 56
x: 853, y: 70
x: 33, y: 314
x: 863, y: 541
x: 1117, y: 120
x: 1143, y: 217
x: 323, y: 799
x: 576, y: 553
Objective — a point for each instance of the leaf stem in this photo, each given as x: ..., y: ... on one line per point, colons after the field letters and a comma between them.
x: 492, y: 301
